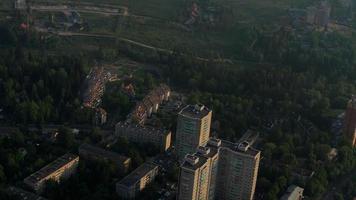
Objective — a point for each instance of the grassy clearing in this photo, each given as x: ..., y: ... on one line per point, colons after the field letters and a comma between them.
x: 162, y: 30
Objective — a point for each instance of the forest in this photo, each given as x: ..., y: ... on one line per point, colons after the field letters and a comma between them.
x: 298, y: 84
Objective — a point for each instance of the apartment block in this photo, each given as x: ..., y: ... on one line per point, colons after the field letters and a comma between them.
x: 150, y: 104
x: 144, y: 134
x: 130, y: 186
x: 61, y: 168
x: 193, y: 129
x: 198, y: 174
x: 95, y: 153
x: 220, y: 170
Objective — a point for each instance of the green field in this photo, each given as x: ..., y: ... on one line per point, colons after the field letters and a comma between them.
x: 159, y: 23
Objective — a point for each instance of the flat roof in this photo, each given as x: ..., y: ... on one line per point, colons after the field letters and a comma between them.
x: 23, y: 194
x: 145, y: 129
x: 202, y: 158
x: 103, y: 153
x: 249, y: 136
x: 195, y: 111
x: 50, y: 168
x: 234, y: 147
x: 137, y: 174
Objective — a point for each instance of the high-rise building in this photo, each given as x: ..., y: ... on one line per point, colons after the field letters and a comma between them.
x: 193, y: 129
x: 220, y: 170
x: 196, y: 172
x: 350, y: 121
x: 238, y: 169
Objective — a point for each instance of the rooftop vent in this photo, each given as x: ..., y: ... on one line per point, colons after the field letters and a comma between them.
x: 214, y: 142
x: 191, y: 159
x: 243, y: 146
x: 203, y: 150
x: 199, y: 107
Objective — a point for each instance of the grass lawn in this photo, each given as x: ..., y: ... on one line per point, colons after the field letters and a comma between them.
x: 161, y: 30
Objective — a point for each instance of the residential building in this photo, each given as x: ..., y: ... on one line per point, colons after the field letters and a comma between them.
x: 350, y: 121
x: 293, y: 193
x: 100, y: 117
x: 130, y: 186
x: 319, y: 15
x: 61, y: 168
x: 193, y: 129
x: 21, y: 194
x: 198, y: 174
x: 238, y: 169
x: 144, y: 134
x: 20, y: 5
x: 150, y: 104
x: 220, y: 170
x: 95, y: 153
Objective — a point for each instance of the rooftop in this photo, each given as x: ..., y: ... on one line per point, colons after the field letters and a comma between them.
x: 137, y: 174
x: 200, y: 157
x: 250, y: 136
x: 50, y: 168
x: 197, y: 111
x: 146, y: 129
x: 237, y: 147
x: 293, y: 192
x: 194, y: 161
x: 103, y: 153
x: 212, y: 148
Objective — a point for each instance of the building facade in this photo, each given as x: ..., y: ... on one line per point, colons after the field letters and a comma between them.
x: 95, y: 153
x: 150, y: 104
x: 193, y: 129
x: 350, y: 121
x: 130, y: 186
x: 220, y: 170
x: 61, y: 168
x: 198, y: 174
x: 144, y: 134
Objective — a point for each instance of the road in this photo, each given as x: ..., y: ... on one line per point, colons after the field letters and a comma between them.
x: 132, y: 42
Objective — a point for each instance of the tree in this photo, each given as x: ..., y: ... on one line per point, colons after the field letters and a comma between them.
x: 66, y: 137
x: 2, y: 175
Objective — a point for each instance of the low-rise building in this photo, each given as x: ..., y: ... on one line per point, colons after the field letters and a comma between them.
x: 21, y: 194
x: 139, y: 134
x: 293, y: 193
x: 95, y: 153
x: 100, y: 116
x: 62, y: 168
x: 150, y: 103
x: 319, y: 15
x: 130, y: 186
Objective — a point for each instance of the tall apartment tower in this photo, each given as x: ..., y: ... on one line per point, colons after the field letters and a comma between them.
x: 196, y: 174
x: 220, y: 170
x: 238, y: 169
x: 350, y: 121
x: 193, y: 129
